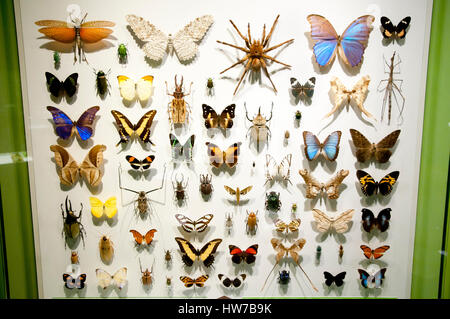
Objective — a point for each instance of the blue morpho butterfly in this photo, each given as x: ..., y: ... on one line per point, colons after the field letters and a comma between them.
x: 371, y: 281
x: 351, y: 43
x: 369, y: 221
x: 65, y: 126
x: 329, y: 148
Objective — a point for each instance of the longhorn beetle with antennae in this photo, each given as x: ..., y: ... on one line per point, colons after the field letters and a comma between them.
x: 142, y: 201
x: 178, y: 108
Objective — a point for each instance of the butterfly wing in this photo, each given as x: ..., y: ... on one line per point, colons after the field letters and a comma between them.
x: 245, y: 190
x: 202, y: 223
x: 127, y: 88
x: 137, y: 236
x: 54, y: 84
x: 364, y: 277
x: 329, y: 278
x: 156, y: 41
x: 382, y: 220
x: 284, y: 169
x: 186, y: 223
x: 325, y: 37
x: 324, y: 222
x: 230, y: 156
x: 402, y: 27
x: 387, y: 182
x: 184, y: 40
x: 279, y: 248
x: 368, y: 219
x: 215, y: 155
x: 295, y: 249
x: 331, y: 145
x: 189, y: 251
x: 90, y: 167
x: 126, y: 128
x: 200, y: 281
x: 142, y: 128
x: 84, y: 123
x: 378, y: 278
x: 207, y: 251
x: 64, y: 125
x: 379, y: 252
x: 332, y: 186
x: 359, y: 94
x: 297, y: 88
x: 368, y: 252
x: 341, y: 222
x: 250, y: 253
x: 144, y: 87
x: 280, y: 226
x: 294, y: 225
x: 120, y: 277
x: 227, y: 116
x: 149, y: 236
x: 362, y: 145
x: 313, y: 187
x: 354, y: 40
x: 188, y: 146
x: 382, y: 149
x: 70, y: 84
x: 339, y: 278
x: 68, y: 168
x: 111, y: 207
x: 96, y: 207
x: 187, y: 281
x: 368, y: 184
x: 312, y: 145
x: 210, y: 116
x: 236, y: 254
x: 103, y: 277
x: 388, y: 27
x: 79, y: 282
x: 69, y: 281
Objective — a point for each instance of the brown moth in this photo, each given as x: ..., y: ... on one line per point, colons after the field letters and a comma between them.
x: 381, y: 151
x: 331, y: 188
x: 238, y: 192
x: 106, y: 248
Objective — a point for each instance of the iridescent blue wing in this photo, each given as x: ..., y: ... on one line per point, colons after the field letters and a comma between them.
x: 378, y: 277
x: 79, y: 282
x: 331, y: 145
x: 354, y: 40
x: 364, y: 276
x: 312, y: 145
x: 63, y: 123
x: 69, y: 281
x: 325, y: 37
x: 368, y: 219
x: 84, y: 123
x: 383, y: 219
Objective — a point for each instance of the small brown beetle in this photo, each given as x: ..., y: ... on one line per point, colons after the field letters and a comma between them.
x: 206, y: 187
x: 180, y: 189
x: 146, y: 275
x: 167, y: 256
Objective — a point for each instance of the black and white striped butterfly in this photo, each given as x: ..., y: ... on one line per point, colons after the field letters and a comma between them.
x: 190, y: 225
x: 303, y: 91
x: 72, y: 282
x: 181, y: 150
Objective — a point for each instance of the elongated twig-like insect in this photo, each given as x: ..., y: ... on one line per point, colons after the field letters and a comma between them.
x: 390, y: 89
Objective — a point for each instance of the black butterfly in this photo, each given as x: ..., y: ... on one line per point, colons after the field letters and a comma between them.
x: 338, y: 279
x: 236, y: 282
x: 56, y: 86
x: 369, y: 221
x: 137, y: 164
x: 306, y: 90
x: 390, y: 30
x: 370, y: 187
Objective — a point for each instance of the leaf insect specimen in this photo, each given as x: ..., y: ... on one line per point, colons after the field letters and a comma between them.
x: 78, y: 32
x: 72, y: 223
x: 256, y: 52
x: 178, y: 109
x: 392, y: 88
x: 122, y: 53
x: 106, y: 248
x: 142, y: 202
x: 251, y: 222
x: 179, y: 189
x: 184, y: 42
x: 259, y: 129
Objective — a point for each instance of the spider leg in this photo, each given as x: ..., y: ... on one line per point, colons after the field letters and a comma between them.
x: 234, y: 46
x: 249, y: 34
x: 264, y: 66
x: 266, y: 40
x: 240, y: 34
x: 247, y: 67
x: 274, y: 60
x: 238, y: 62
x: 278, y: 45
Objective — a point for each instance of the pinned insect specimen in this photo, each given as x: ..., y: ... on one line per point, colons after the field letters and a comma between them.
x: 256, y: 57
x: 142, y: 202
x: 101, y: 82
x: 190, y: 225
x: 229, y: 222
x: 305, y: 91
x: 180, y: 189
x: 339, y: 223
x: 251, y: 222
x: 74, y: 259
x: 298, y: 115
x: 318, y: 253
x: 331, y: 188
x: 122, y: 53
x: 284, y: 277
x: 292, y: 226
x: 156, y: 43
x: 273, y: 202
x: 206, y: 187
x: 56, y: 59
x: 178, y: 109
x: 275, y: 171
x: 341, y: 251
x: 167, y: 256
x: 238, y: 192
x: 286, y: 135
x: 292, y: 251
x: 168, y: 281
x: 392, y: 88
x: 338, y: 279
x: 106, y: 248
x: 210, y: 86
x: 259, y: 129
x: 146, y: 275
x: 140, y: 130
x: 105, y: 279
x: 72, y: 223
x: 140, y: 239
x: 294, y: 207
x: 78, y: 32
x: 343, y: 95
x: 236, y: 282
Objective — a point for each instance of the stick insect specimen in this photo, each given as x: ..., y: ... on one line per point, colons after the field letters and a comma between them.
x: 256, y: 52
x: 390, y: 89
x: 142, y: 201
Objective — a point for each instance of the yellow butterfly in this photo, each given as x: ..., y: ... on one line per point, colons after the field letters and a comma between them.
x: 129, y: 89
x: 98, y: 208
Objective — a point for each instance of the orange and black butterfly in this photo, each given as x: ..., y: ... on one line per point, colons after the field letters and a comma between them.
x: 78, y: 33
x: 247, y: 255
x: 140, y: 165
x: 205, y: 254
x: 370, y: 187
x: 213, y: 120
x: 374, y: 253
x: 139, y: 238
x: 189, y: 282
x: 217, y: 157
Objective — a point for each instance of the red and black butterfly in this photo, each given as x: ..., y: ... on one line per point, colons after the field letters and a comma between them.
x: 142, y: 165
x: 247, y: 256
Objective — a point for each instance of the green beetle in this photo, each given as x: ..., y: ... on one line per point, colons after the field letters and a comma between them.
x: 56, y: 59
x: 273, y: 202
x: 122, y: 53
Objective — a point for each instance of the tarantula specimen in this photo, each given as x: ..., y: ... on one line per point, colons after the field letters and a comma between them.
x: 256, y: 52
